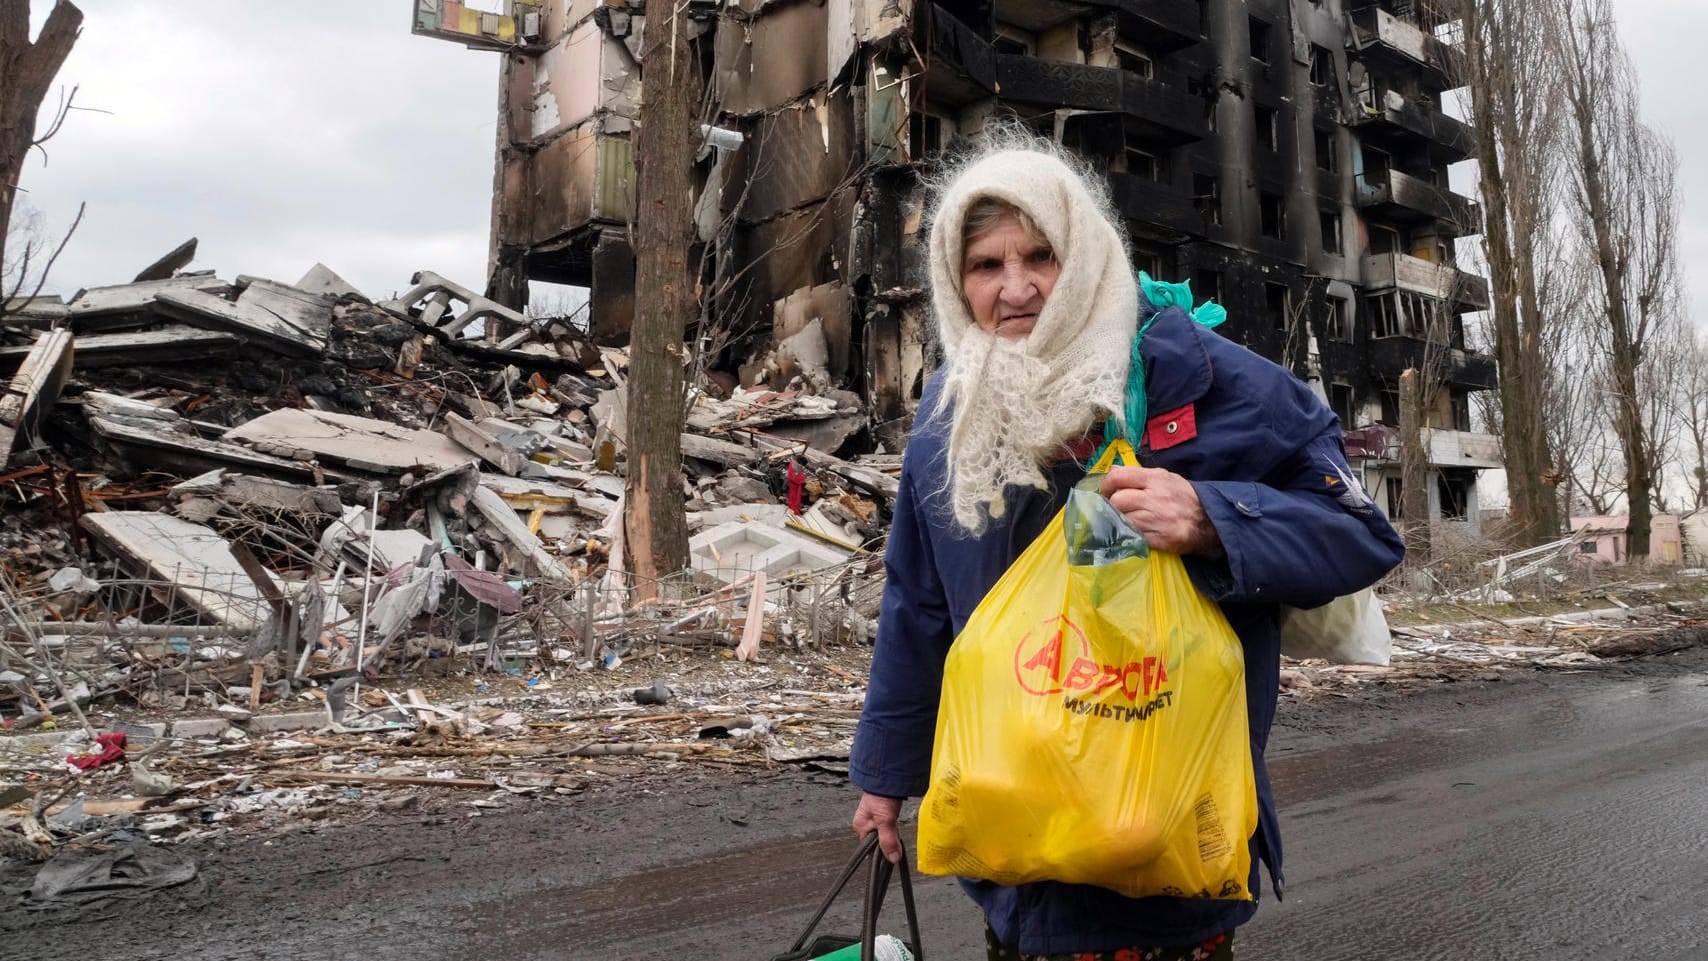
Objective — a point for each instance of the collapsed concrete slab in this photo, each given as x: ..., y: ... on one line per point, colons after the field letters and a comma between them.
x: 282, y: 318
x: 132, y: 305
x: 194, y: 565
x: 165, y: 345
x: 360, y: 443
x: 34, y: 388
x: 322, y: 279
x: 150, y: 437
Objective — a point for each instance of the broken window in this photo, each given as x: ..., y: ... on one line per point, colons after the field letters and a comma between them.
x: 1275, y: 305
x: 1587, y: 547
x: 1402, y: 313
x: 1142, y: 164
x: 1455, y: 493
x: 1337, y: 321
x: 1268, y: 128
x: 927, y: 132
x: 1150, y: 262
x: 1004, y: 43
x: 1391, y: 407
x: 1384, y: 316
x: 1340, y: 401
x: 1207, y: 196
x: 1207, y: 286
x: 1134, y: 60
x: 1328, y: 152
x: 1331, y: 231
x: 1272, y: 215
x: 1461, y: 411
x: 1259, y: 40
x: 1384, y: 240
x: 1396, y: 499
x: 1322, y: 66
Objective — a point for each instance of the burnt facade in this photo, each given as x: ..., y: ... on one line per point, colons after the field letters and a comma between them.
x: 1289, y: 157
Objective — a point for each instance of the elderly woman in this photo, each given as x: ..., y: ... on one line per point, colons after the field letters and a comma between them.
x: 1244, y: 476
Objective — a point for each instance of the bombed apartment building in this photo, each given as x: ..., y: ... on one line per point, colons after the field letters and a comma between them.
x: 1289, y: 157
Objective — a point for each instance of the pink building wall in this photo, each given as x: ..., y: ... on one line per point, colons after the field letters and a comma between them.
x: 1605, y: 543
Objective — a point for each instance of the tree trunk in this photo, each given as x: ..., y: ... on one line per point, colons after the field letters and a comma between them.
x: 26, y: 72
x: 654, y: 525
x: 1516, y: 449
x: 1414, y: 470
x: 1623, y: 355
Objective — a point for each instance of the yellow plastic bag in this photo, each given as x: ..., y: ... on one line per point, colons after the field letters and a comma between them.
x: 1093, y: 727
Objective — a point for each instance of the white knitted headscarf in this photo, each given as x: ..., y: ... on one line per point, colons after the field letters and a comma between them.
x: 1016, y: 402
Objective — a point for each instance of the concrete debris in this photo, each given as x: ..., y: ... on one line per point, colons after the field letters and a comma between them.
x: 229, y: 497
x: 33, y: 389
x: 242, y: 520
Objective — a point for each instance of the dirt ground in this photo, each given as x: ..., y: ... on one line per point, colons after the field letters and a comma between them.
x: 601, y: 873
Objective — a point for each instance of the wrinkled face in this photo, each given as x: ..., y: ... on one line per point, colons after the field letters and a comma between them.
x: 1006, y: 275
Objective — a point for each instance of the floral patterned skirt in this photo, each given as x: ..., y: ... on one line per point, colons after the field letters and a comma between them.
x: 1218, y: 948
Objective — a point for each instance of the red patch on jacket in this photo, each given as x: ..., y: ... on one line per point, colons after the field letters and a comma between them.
x: 1175, y: 427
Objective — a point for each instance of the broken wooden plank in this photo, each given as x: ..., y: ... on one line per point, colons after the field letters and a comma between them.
x: 503, y: 517
x: 720, y: 452
x: 490, y: 448
x: 527, y: 494
x: 34, y: 388
x: 874, y: 481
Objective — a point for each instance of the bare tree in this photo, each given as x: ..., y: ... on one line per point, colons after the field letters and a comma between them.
x: 1691, y: 403
x: 26, y: 72
x: 1511, y: 82
x: 1627, y: 201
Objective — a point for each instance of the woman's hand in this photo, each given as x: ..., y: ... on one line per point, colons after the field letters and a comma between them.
x: 1165, y: 508
x: 879, y: 814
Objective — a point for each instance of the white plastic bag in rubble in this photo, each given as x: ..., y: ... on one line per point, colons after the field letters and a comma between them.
x: 1346, y: 630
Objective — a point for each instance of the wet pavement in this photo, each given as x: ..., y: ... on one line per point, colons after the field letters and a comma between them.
x: 1553, y: 816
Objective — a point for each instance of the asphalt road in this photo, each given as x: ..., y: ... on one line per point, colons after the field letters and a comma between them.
x: 1544, y: 816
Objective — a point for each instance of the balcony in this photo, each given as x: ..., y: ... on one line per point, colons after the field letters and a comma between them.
x: 1419, y: 276
x: 1385, y: 115
x: 961, y: 65
x: 1161, y: 206
x: 1461, y: 448
x: 1388, y: 40
x: 1458, y: 367
x: 1166, y: 25
x: 1407, y: 199
x: 1447, y: 448
x: 1156, y: 110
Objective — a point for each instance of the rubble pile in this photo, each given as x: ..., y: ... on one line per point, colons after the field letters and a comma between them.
x: 225, y: 494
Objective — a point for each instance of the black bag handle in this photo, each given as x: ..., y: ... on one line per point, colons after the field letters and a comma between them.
x: 877, y: 885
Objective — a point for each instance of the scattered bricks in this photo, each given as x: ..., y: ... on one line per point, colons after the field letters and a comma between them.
x: 140, y: 730
x: 200, y: 727
x: 295, y: 721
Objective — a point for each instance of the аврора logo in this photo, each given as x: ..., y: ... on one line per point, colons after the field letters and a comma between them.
x: 1055, y: 657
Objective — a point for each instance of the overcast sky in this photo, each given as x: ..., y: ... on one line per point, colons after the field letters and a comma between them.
x: 322, y: 130
x: 277, y: 134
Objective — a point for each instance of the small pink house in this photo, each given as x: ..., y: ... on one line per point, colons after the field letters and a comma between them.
x: 1604, y: 540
